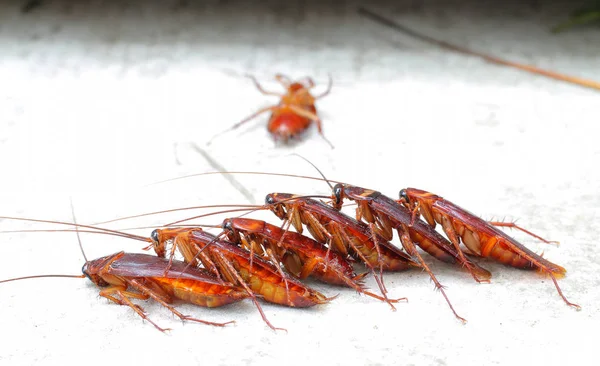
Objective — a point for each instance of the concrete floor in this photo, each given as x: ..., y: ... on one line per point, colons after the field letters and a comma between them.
x: 100, y: 99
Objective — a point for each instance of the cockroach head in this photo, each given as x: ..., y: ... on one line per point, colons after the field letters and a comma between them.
x: 97, y: 280
x: 227, y: 225
x: 269, y: 199
x: 275, y: 205
x: 159, y: 248
x: 154, y: 236
x: 92, y: 268
x: 338, y: 195
x: 404, y: 196
x: 230, y: 232
x: 84, y: 269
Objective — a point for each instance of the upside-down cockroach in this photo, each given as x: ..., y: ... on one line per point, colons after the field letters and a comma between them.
x: 295, y: 112
x: 481, y: 238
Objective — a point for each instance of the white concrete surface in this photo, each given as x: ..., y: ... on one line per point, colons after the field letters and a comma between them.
x: 99, y: 99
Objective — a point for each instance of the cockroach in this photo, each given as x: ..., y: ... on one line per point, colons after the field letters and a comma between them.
x: 302, y: 210
x: 395, y: 259
x: 295, y: 112
x: 346, y: 235
x: 301, y: 256
x: 338, y: 236
x: 150, y: 277
x: 481, y: 238
x: 180, y: 269
x: 329, y: 224
x: 117, y: 273
x: 120, y: 273
x: 237, y: 265
x: 383, y: 214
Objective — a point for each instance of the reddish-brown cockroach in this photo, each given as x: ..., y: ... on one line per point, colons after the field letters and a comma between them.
x: 481, y: 238
x: 342, y: 233
x: 237, y: 265
x: 301, y: 256
x: 144, y: 273
x: 384, y: 214
x: 344, y: 230
x: 295, y: 112
x: 378, y: 230
x: 328, y: 224
x: 167, y: 271
x: 360, y: 243
x: 150, y: 277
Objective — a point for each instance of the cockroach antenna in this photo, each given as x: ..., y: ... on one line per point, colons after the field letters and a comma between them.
x: 57, y: 275
x: 314, y: 166
x: 77, y: 229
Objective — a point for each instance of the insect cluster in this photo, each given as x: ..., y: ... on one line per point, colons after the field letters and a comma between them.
x: 254, y: 259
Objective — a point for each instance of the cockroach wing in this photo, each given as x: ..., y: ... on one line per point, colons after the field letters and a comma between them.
x: 144, y: 265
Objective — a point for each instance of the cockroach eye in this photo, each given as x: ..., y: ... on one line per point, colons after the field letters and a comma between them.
x: 84, y: 270
x: 404, y: 195
x: 269, y: 200
x: 227, y: 225
x: 154, y: 236
x: 337, y: 192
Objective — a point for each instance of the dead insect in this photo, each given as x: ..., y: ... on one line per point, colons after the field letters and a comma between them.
x: 295, y: 112
x: 480, y: 237
x: 301, y: 256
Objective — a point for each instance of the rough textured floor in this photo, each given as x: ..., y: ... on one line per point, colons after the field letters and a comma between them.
x: 100, y: 99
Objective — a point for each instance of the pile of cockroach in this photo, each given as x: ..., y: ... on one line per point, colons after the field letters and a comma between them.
x: 254, y: 259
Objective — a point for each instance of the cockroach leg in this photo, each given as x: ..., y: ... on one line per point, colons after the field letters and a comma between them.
x: 142, y: 288
x: 284, y: 80
x: 261, y: 89
x: 280, y: 270
x: 313, y: 222
x: 378, y: 250
x: 577, y: 307
x: 124, y: 300
x: 414, y: 213
x: 328, y: 90
x: 242, y: 283
x: 378, y: 280
x: 412, y: 250
x: 512, y: 225
x: 453, y: 236
x: 254, y: 115
x: 307, y: 114
x: 171, y: 256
